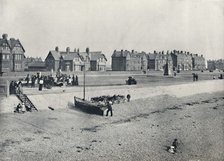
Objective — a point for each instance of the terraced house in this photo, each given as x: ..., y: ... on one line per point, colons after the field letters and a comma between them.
x: 125, y: 60
x: 198, y: 62
x: 181, y: 60
x: 11, y: 54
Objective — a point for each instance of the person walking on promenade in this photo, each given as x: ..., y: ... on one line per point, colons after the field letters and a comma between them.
x: 109, y: 108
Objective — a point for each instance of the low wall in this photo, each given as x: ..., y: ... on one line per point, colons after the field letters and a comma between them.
x: 61, y: 100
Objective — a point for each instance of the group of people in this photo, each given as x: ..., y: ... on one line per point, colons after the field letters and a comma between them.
x: 15, y: 87
x: 22, y: 108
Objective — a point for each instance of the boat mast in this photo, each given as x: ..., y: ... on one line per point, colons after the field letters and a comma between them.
x: 84, y: 81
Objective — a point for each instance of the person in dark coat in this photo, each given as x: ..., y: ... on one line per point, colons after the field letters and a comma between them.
x: 27, y: 80
x: 128, y: 97
x: 193, y: 76
x: 109, y: 108
x: 196, y: 77
x: 76, y: 80
x: 41, y: 82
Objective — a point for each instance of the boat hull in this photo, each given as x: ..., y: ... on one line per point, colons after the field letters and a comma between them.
x: 89, y: 107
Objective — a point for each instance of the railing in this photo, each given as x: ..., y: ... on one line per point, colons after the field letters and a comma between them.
x: 23, y: 98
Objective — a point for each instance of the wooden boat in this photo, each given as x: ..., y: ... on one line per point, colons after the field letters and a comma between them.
x: 89, y: 107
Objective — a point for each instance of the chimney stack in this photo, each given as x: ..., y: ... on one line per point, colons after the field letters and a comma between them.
x: 57, y: 49
x: 5, y: 36
x: 68, y: 50
x: 87, y: 50
x: 122, y: 52
x: 132, y: 51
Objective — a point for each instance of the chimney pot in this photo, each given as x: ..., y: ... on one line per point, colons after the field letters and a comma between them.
x: 5, y: 36
x: 68, y: 50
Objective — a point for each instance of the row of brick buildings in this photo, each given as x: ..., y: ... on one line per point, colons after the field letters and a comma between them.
x: 12, y: 58
x: 75, y: 61
x: 125, y: 60
x: 215, y: 64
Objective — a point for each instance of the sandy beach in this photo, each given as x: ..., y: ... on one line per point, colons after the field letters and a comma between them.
x: 139, y: 130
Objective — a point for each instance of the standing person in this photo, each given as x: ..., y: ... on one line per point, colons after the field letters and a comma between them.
x: 41, y: 82
x: 23, y: 107
x: 76, y: 80
x: 73, y: 80
x: 11, y: 87
x: 27, y: 80
x: 128, y: 97
x: 193, y: 76
x: 33, y: 78
x: 109, y: 108
x: 196, y: 77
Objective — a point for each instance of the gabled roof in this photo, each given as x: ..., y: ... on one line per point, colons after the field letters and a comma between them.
x: 97, y: 54
x: 120, y: 54
x: 13, y: 42
x: 4, y: 41
x: 83, y: 55
x: 70, y: 56
x: 56, y: 55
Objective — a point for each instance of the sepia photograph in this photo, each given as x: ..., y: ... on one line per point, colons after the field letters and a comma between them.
x: 112, y: 80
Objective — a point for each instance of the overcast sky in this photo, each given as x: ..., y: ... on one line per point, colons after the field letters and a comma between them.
x: 143, y: 25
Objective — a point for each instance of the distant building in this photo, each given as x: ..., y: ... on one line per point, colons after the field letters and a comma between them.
x: 11, y: 54
x: 211, y: 65
x: 161, y: 59
x: 52, y: 60
x: 220, y: 64
x: 71, y: 61
x: 126, y: 61
x: 144, y: 60
x: 75, y: 60
x: 215, y: 64
x: 97, y: 61
x: 32, y: 60
x: 158, y: 60
x: 36, y: 66
x: 152, y: 61
x: 85, y: 58
x: 198, y: 62
x: 181, y: 60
